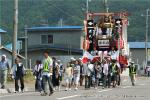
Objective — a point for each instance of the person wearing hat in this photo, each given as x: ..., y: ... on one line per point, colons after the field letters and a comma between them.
x: 114, y: 71
x: 132, y: 72
x: 81, y: 72
x: 4, y: 68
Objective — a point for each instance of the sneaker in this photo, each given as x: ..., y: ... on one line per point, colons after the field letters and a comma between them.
x: 16, y: 91
x: 54, y: 89
x: 3, y: 87
x: 51, y: 93
x: 22, y: 91
x: 76, y: 89
x: 66, y: 89
x: 95, y: 88
x: 133, y: 84
x: 69, y: 89
x: 43, y: 93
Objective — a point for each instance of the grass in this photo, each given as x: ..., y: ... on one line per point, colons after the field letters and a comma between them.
x: 28, y: 78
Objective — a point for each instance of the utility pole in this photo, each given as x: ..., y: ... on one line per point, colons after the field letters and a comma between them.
x: 87, y: 6
x: 26, y: 47
x: 15, y: 31
x: 106, y: 5
x: 146, y: 36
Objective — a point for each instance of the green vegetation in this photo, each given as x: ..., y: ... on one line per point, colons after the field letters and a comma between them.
x: 29, y: 78
x: 72, y: 12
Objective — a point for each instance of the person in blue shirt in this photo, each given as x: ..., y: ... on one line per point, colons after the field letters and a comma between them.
x: 4, y: 68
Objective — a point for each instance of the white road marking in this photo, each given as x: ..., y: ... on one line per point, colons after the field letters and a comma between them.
x: 17, y: 94
x: 125, y: 80
x: 126, y: 87
x: 105, y: 90
x: 67, y: 97
x: 142, y: 84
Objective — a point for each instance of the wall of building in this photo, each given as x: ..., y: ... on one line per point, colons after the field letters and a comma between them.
x: 61, y: 55
x: 138, y: 56
x: 67, y: 39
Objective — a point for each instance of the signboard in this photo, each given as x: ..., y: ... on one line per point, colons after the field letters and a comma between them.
x: 103, y: 43
x: 90, y: 28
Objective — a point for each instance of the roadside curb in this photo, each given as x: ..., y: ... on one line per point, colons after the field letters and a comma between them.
x: 3, y: 91
x: 11, y: 90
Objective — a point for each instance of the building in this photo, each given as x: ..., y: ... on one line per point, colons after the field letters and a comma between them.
x: 1, y: 33
x: 62, y: 42
x: 7, y: 51
x: 65, y: 42
x: 137, y: 50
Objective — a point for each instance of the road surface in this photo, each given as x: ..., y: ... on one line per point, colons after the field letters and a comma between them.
x: 124, y: 92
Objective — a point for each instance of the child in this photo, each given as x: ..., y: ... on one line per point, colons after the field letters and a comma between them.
x: 68, y: 76
x: 38, y: 76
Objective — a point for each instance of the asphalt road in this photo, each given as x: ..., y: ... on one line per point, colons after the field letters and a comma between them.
x: 124, y: 92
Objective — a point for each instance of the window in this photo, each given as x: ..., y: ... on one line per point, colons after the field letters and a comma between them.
x: 50, y: 39
x: 19, y: 44
x: 46, y: 39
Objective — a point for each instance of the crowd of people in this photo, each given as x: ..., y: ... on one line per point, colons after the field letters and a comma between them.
x: 74, y: 74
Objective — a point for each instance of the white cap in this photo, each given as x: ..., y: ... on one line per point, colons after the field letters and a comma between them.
x: 4, y: 55
x: 56, y: 64
x: 72, y: 58
x: 80, y: 58
x: 59, y: 60
x: 132, y: 62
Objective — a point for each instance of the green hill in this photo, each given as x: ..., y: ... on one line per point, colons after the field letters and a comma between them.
x: 72, y: 12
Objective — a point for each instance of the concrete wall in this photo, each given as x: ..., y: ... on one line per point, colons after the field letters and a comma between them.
x: 138, y: 55
x: 61, y: 55
x: 63, y: 38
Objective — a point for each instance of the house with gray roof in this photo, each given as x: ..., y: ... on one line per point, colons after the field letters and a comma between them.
x: 138, y: 54
x: 1, y: 33
x: 7, y: 51
x: 61, y: 41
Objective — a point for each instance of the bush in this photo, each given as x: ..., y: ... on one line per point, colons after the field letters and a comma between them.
x: 29, y: 78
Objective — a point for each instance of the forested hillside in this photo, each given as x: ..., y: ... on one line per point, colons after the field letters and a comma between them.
x: 72, y: 12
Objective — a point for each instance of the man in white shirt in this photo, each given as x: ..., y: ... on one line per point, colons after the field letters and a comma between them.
x: 37, y: 72
x: 105, y: 73
x: 18, y: 72
x: 148, y: 71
